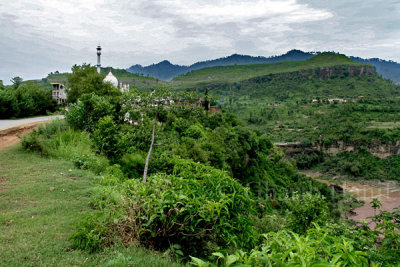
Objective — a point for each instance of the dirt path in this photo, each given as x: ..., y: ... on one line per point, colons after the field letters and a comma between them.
x: 11, y: 136
x: 11, y: 130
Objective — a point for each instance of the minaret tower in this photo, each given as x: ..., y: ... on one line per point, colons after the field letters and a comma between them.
x: 98, y: 58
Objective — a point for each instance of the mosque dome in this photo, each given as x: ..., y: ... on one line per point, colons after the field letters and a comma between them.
x: 112, y: 79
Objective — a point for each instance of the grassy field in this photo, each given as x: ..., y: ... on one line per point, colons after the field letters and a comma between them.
x: 41, y: 200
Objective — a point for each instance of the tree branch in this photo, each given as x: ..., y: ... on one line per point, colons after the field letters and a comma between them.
x: 146, y: 166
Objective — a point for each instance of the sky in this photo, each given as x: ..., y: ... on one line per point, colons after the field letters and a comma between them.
x: 42, y: 36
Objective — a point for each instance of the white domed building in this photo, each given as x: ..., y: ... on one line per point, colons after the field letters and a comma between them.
x: 114, y: 81
x: 111, y: 79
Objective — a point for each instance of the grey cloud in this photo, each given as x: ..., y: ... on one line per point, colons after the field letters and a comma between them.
x: 34, y: 43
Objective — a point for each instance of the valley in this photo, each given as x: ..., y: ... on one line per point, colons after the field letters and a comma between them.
x: 259, y: 172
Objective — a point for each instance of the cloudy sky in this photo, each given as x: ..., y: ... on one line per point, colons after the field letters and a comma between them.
x: 40, y: 36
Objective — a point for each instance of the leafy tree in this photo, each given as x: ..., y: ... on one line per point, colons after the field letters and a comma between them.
x: 8, y: 104
x: 16, y: 81
x: 105, y: 137
x: 88, y: 110
x: 155, y: 102
x: 1, y: 85
x: 33, y: 100
x: 84, y: 79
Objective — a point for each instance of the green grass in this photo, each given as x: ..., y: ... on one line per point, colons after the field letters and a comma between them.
x: 41, y: 200
x: 384, y: 125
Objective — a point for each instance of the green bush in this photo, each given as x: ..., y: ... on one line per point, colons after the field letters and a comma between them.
x: 56, y: 139
x: 269, y: 223
x: 306, y: 161
x: 305, y: 210
x: 133, y: 164
x: 285, y: 248
x: 106, y: 137
x: 8, y: 104
x: 195, y: 131
x: 92, y: 234
x: 31, y: 142
x: 29, y: 99
x: 36, y: 140
x: 88, y: 110
x: 198, y: 207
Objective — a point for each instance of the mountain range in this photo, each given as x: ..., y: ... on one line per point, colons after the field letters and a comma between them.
x: 165, y: 70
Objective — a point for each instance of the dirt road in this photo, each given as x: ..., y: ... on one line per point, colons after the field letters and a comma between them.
x: 12, y: 130
x: 6, y: 124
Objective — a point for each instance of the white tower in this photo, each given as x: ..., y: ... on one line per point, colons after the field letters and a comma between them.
x: 98, y: 58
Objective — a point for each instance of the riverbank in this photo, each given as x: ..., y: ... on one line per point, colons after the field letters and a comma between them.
x: 388, y: 193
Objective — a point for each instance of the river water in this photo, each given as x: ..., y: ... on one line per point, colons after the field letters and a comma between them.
x: 388, y: 193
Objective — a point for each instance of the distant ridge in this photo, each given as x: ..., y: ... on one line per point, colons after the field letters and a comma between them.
x: 165, y: 70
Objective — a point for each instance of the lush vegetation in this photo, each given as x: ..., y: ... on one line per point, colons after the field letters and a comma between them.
x: 207, y: 188
x: 42, y: 199
x: 25, y: 99
x: 338, y: 106
x: 236, y: 73
x: 213, y: 185
x: 362, y: 164
x: 85, y: 79
x: 167, y: 71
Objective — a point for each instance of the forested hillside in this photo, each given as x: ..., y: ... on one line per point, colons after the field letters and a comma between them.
x: 207, y: 188
x: 165, y: 70
x: 327, y: 103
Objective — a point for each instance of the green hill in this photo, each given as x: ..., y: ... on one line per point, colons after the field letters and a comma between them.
x: 237, y: 73
x: 277, y: 98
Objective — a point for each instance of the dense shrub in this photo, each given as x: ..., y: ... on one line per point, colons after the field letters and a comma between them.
x: 285, y: 248
x: 56, y: 139
x: 198, y: 207
x: 362, y: 165
x: 85, y: 113
x: 105, y: 137
x: 8, y: 104
x: 307, y: 160
x: 29, y: 99
x: 305, y: 210
x: 133, y: 164
x: 35, y: 141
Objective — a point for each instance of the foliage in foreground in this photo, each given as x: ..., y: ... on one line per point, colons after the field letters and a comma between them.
x: 198, y: 207
x: 285, y: 248
x: 188, y: 208
x: 36, y: 221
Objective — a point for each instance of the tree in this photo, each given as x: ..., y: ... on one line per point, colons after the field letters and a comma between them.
x: 1, y: 85
x: 33, y: 100
x: 16, y: 81
x: 8, y: 104
x: 85, y: 79
x: 138, y: 104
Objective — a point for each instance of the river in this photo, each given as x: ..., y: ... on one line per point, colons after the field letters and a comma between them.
x: 388, y: 193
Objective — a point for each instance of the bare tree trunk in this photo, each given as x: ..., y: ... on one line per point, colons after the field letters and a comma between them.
x: 146, y: 166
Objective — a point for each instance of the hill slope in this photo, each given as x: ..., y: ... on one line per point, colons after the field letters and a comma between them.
x: 167, y: 71
x: 277, y: 98
x: 229, y: 74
